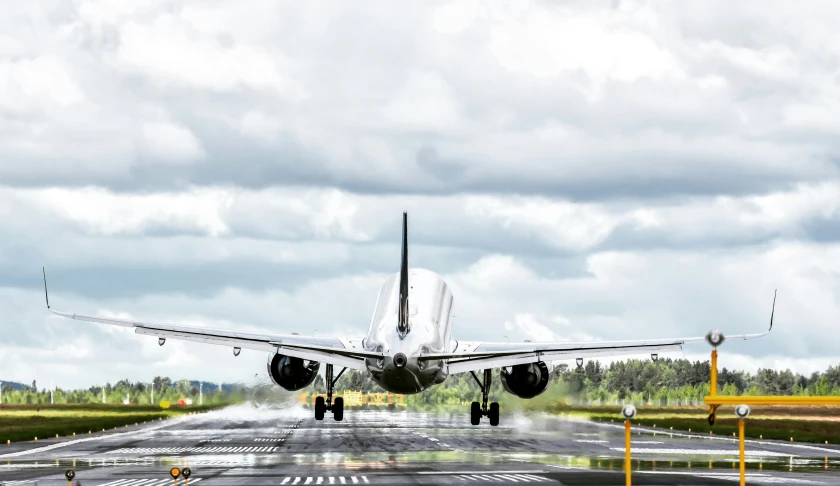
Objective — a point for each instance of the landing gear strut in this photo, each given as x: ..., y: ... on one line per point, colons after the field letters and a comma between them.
x: 477, y: 410
x: 336, y: 406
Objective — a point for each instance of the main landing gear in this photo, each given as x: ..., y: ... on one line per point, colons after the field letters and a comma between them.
x: 337, y: 406
x: 477, y: 410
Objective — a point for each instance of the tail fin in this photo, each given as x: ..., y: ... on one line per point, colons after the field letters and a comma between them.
x: 402, y: 324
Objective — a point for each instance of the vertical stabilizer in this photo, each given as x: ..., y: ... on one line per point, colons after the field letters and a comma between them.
x: 402, y: 323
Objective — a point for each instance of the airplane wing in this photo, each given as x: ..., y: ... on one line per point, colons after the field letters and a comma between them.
x: 476, y: 355
x: 348, y: 353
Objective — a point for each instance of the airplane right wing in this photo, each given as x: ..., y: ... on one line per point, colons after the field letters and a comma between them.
x: 476, y: 355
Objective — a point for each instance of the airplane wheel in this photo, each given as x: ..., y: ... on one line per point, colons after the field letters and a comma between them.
x: 475, y: 413
x: 320, y: 408
x: 494, y: 414
x: 338, y: 409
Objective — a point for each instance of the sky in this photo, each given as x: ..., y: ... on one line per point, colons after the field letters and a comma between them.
x: 575, y: 170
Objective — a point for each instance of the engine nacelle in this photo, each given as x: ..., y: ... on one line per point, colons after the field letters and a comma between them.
x: 525, y: 380
x: 292, y: 373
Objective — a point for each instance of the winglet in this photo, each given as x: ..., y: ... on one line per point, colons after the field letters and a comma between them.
x: 402, y: 323
x: 46, y: 294
x: 773, y: 310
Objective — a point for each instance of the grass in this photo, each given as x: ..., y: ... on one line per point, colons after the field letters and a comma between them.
x: 25, y: 422
x: 804, y: 423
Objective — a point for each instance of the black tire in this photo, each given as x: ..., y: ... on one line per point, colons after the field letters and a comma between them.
x: 475, y: 413
x: 320, y: 408
x: 494, y: 414
x: 338, y: 409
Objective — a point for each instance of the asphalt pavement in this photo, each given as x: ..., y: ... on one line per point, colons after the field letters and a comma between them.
x: 249, y: 445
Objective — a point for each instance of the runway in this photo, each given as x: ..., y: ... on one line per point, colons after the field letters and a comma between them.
x: 247, y: 445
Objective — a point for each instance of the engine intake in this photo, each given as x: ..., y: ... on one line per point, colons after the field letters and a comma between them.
x: 291, y: 373
x: 525, y: 380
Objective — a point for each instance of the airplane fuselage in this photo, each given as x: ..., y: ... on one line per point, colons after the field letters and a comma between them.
x: 429, y: 331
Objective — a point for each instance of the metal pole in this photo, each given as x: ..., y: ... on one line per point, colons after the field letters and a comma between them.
x: 713, y: 388
x: 741, y: 451
x: 627, y: 464
x: 200, y: 394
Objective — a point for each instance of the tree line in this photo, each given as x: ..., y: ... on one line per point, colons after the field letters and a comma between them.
x: 137, y: 393
x: 663, y: 382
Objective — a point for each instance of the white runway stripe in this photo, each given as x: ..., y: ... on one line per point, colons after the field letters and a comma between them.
x: 323, y: 480
x: 703, y: 452
x: 504, y: 478
x: 192, y: 450
x: 148, y: 482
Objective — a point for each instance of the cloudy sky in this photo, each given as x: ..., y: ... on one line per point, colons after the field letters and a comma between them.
x: 574, y: 169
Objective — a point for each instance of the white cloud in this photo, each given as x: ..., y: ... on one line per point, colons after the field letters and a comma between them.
x: 170, y: 142
x: 548, y: 42
x: 425, y: 103
x: 586, y: 170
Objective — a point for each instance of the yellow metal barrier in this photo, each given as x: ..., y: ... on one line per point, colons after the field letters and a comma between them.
x: 771, y: 400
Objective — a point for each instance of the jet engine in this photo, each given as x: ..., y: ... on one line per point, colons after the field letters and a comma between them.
x: 525, y: 380
x: 292, y: 373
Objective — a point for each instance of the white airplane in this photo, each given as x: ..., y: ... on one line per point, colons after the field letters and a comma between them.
x: 409, y: 346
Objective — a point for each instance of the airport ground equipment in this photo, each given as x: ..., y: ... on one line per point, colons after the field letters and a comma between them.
x: 628, y: 411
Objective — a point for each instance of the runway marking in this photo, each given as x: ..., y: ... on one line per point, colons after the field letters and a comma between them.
x: 505, y: 478
x: 673, y: 434
x: 591, y: 441
x: 703, y: 452
x: 263, y: 439
x: 320, y: 480
x: 181, y: 450
x: 147, y: 482
x: 763, y: 478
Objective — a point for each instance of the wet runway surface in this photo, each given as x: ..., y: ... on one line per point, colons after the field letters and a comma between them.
x: 245, y: 445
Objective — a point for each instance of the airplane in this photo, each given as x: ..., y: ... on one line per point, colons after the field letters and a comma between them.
x: 408, y: 347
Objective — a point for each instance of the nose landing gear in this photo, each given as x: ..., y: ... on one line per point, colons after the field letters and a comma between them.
x: 477, y: 410
x: 335, y: 406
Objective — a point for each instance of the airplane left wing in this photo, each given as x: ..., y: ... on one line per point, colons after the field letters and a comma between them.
x: 348, y: 353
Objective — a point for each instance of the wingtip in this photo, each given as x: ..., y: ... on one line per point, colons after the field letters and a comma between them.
x: 773, y: 309
x: 46, y: 293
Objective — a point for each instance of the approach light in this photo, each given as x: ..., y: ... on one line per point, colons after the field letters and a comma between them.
x: 236, y: 351
x: 715, y: 338
x: 742, y: 411
x: 161, y: 341
x: 628, y: 411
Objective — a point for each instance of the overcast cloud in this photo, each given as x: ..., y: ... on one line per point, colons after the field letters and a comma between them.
x: 575, y: 170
